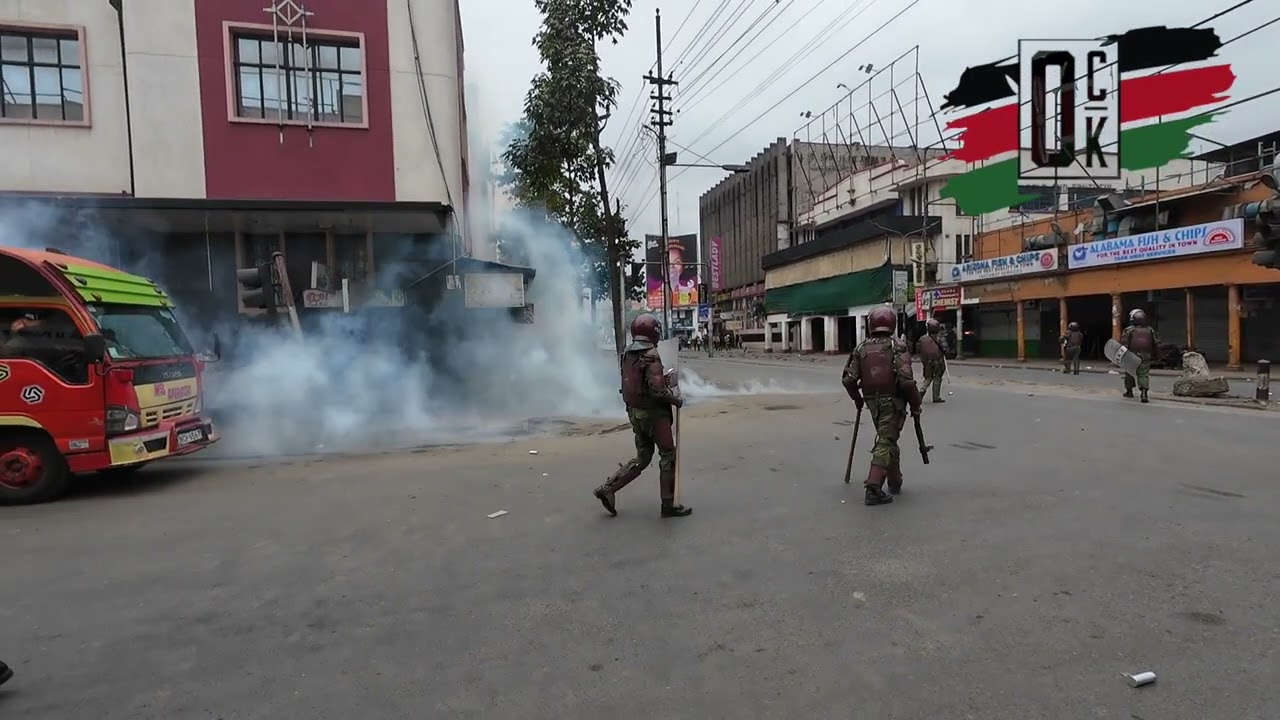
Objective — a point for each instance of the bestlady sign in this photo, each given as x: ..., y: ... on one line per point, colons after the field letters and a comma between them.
x: 1007, y: 266
x: 1162, y: 244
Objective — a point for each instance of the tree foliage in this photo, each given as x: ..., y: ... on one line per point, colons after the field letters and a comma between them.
x: 551, y: 162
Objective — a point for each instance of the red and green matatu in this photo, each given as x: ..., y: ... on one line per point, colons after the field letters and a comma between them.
x: 95, y: 375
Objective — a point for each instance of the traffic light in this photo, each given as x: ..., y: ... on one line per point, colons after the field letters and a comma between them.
x: 1267, y: 238
x: 257, y: 287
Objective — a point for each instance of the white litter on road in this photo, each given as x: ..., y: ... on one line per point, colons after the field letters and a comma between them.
x: 498, y: 514
x: 533, y: 452
x: 1139, y: 679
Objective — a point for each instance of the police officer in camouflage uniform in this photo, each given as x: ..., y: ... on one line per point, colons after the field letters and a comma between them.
x: 932, y: 349
x: 1142, y: 339
x: 878, y: 376
x: 650, y: 395
x: 1072, y: 343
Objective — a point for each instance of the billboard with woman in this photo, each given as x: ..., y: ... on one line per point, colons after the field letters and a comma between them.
x: 681, y: 253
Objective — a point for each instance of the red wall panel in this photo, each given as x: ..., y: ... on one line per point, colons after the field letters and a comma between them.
x: 247, y: 160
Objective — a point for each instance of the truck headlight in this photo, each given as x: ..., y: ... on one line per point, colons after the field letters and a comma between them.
x: 121, y: 419
x: 199, y: 406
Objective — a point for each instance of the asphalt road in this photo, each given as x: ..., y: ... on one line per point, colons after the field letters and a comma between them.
x: 1060, y: 538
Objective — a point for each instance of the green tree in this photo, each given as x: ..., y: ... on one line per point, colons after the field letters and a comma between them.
x: 554, y: 159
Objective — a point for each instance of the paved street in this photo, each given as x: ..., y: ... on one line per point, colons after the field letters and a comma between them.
x: 1061, y: 536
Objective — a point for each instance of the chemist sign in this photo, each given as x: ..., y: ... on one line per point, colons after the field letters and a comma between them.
x: 1159, y: 245
x: 1007, y: 266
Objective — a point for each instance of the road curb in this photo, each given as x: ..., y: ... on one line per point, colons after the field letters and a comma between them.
x: 1241, y: 403
x: 1014, y: 365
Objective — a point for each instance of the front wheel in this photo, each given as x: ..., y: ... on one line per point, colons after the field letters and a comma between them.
x: 31, y: 469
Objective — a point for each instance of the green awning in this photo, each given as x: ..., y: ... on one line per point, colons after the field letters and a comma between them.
x: 833, y: 295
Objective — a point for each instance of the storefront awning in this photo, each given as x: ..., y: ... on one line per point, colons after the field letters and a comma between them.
x: 833, y: 295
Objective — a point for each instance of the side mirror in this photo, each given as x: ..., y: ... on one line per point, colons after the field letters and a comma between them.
x: 95, y: 348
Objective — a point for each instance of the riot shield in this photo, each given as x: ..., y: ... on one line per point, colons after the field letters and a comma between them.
x: 1122, y: 357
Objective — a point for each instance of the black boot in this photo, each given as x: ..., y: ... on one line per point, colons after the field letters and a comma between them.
x: 5, y: 673
x: 939, y: 400
x: 1128, y: 392
x: 895, y: 482
x: 1144, y: 395
x: 670, y: 509
x: 605, y: 495
x: 667, y: 486
x: 875, y: 494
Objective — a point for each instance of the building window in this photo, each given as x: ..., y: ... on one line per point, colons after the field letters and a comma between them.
x: 42, y: 76
x: 278, y: 81
x: 964, y: 248
x: 1045, y: 198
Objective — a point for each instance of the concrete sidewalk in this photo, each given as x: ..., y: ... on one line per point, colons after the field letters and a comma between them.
x: 1090, y: 366
x: 1098, y: 366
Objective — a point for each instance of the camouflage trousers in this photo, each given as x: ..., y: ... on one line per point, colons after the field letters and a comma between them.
x: 1071, y: 359
x: 1144, y: 377
x: 889, y: 415
x: 934, y: 370
x: 652, y: 429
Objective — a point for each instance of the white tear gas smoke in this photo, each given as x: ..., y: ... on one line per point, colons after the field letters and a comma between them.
x: 354, y: 381
x: 695, y: 387
x: 382, y: 377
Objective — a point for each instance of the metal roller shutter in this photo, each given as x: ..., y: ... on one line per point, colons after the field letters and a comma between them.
x: 1171, y: 316
x: 1260, y: 327
x: 1211, y: 323
x: 997, y: 331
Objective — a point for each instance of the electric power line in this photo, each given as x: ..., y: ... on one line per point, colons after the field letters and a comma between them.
x: 676, y: 34
x: 706, y: 25
x: 695, y: 87
x: 734, y: 16
x: 815, y: 76
x: 803, y: 52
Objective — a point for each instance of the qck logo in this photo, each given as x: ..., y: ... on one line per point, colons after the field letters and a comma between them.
x: 955, y: 272
x: 32, y: 394
x: 1069, y: 102
x: 1080, y: 253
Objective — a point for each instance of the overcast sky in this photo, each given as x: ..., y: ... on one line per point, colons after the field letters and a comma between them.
x: 951, y: 35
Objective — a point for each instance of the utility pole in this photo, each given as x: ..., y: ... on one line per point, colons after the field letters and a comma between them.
x: 661, y: 122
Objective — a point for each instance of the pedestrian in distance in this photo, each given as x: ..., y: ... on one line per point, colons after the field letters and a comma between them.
x: 1072, y: 344
x: 878, y: 376
x: 1139, y: 338
x: 932, y: 349
x: 650, y: 394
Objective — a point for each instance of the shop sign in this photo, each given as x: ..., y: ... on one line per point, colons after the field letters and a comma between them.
x: 935, y: 299
x: 1159, y: 245
x: 996, y: 268
x: 900, y: 284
